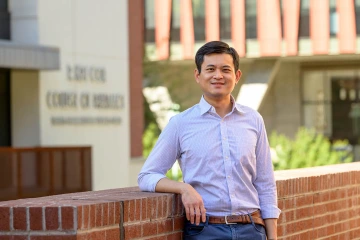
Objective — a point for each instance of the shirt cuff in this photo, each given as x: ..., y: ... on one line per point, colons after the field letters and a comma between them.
x: 270, y: 211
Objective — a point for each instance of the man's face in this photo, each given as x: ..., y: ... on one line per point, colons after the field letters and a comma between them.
x: 218, y: 77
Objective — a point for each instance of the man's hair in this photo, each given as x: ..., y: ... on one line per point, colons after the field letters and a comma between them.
x: 216, y: 47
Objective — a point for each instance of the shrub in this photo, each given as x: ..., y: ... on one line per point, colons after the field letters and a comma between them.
x: 308, y: 149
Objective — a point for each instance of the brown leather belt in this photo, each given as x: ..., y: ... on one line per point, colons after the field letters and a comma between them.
x: 234, y: 219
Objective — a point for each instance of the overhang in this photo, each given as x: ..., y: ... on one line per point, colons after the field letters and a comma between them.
x: 25, y: 56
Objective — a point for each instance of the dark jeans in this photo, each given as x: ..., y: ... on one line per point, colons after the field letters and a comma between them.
x: 208, y: 231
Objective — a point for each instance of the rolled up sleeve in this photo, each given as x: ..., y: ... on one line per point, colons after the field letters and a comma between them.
x: 161, y: 158
x: 265, y: 181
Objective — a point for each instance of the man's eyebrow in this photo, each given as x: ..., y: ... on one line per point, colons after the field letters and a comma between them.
x: 210, y: 65
x: 226, y: 66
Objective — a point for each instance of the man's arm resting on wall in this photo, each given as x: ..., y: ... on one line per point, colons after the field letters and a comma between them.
x: 271, y: 228
x: 193, y: 203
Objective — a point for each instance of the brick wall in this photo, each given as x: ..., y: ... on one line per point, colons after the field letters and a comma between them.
x: 316, y: 203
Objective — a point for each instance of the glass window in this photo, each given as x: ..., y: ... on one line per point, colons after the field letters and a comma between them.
x: 225, y: 19
x: 282, y: 18
x: 250, y: 19
x: 199, y: 19
x: 175, y: 21
x: 334, y: 28
x: 331, y: 103
x: 317, y: 102
x: 357, y: 14
x: 304, y: 23
x: 149, y: 21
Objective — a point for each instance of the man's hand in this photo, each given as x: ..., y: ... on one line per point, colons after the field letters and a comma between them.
x: 193, y: 204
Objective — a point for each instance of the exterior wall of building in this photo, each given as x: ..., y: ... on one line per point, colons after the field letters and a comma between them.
x: 25, y: 108
x: 86, y: 102
x: 94, y: 65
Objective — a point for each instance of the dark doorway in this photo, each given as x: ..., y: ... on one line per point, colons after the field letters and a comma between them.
x: 346, y: 108
x: 5, y: 115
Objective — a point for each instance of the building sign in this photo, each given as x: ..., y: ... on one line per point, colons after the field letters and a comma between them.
x: 73, y: 100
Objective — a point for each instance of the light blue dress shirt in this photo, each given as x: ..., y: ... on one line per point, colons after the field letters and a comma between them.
x: 227, y: 160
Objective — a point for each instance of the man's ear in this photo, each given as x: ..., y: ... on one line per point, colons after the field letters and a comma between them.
x: 196, y: 74
x: 238, y: 75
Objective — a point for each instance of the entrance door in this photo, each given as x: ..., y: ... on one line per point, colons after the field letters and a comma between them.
x: 5, y: 120
x: 346, y: 108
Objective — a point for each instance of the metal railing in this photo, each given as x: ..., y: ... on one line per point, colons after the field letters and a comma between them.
x: 43, y: 171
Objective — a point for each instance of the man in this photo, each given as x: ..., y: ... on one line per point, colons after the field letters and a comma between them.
x: 229, y: 190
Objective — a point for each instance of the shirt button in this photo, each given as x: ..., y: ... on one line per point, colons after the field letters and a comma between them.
x: 229, y: 176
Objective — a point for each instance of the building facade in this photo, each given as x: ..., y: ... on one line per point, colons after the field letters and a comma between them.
x: 300, y: 58
x: 70, y: 75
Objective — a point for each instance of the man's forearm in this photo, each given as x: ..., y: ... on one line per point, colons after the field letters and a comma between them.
x: 170, y: 186
x: 271, y: 228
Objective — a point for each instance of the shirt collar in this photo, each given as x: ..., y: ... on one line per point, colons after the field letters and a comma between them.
x: 206, y: 107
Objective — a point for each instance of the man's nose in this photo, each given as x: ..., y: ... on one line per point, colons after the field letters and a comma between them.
x: 218, y: 74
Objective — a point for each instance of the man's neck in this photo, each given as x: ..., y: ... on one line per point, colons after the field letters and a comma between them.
x: 222, y: 106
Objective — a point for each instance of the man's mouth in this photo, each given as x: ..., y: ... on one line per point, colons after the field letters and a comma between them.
x: 217, y: 83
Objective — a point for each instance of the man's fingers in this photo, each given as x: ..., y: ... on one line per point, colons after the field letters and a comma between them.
x: 187, y: 213
x: 203, y: 214
x: 192, y: 215
x: 198, y: 215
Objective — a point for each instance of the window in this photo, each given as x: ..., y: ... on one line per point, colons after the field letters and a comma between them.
x: 282, y: 18
x: 334, y: 28
x: 175, y: 21
x: 250, y: 19
x: 225, y: 19
x: 357, y: 16
x: 199, y: 19
x: 331, y: 103
x: 304, y: 23
x: 149, y: 21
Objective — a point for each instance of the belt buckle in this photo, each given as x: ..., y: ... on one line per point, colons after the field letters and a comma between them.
x: 226, y: 221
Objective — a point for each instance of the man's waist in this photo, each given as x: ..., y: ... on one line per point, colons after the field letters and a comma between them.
x: 238, y: 219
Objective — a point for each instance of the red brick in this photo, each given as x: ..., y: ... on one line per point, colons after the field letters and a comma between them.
x: 111, y: 213
x: 169, y: 204
x: 118, y: 212
x: 133, y: 231
x: 290, y: 203
x: 305, y: 200
x: 97, y: 235
x: 178, y: 223
x: 304, y: 212
x: 52, y: 218
x: 175, y: 236
x: 85, y: 217
x: 105, y: 207
x: 99, y: 215
x: 17, y: 237
x: 160, y: 207
x: 113, y: 234
x: 165, y: 226
x: 19, y: 221
x: 149, y: 229
x: 149, y: 208
x: 67, y: 218
x: 5, y: 237
x: 36, y: 218
x: 54, y: 237
x: 92, y: 216
x: 4, y: 218
x: 129, y: 209
x: 137, y: 215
